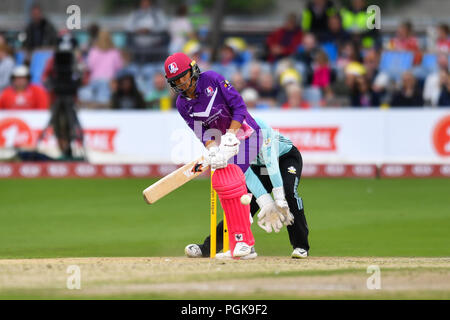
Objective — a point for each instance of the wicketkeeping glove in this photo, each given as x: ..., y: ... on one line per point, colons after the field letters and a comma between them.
x: 269, y: 216
x: 282, y: 205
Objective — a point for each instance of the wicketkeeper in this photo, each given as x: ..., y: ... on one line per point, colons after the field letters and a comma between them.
x: 277, y: 169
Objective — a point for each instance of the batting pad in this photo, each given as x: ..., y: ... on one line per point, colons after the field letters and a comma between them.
x: 229, y: 184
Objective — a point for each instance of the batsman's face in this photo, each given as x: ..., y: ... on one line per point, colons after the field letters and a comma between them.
x: 183, y: 82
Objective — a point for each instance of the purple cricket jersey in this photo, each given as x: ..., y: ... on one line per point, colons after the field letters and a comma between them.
x: 210, y: 114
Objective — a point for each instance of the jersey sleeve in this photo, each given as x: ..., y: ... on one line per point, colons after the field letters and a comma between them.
x: 254, y: 184
x: 270, y: 151
x: 232, y: 98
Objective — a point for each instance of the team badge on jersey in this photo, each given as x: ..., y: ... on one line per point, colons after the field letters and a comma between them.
x: 238, y: 237
x: 292, y: 170
x: 209, y: 91
x: 173, y: 68
x: 226, y: 84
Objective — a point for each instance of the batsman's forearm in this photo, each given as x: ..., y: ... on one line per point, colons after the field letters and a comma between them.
x: 234, y: 126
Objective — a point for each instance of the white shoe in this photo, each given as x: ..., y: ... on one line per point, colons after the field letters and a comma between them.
x: 299, y: 253
x: 193, y: 251
x: 241, y: 249
x: 227, y: 255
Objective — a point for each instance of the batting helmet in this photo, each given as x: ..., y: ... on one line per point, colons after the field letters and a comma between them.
x: 177, y: 66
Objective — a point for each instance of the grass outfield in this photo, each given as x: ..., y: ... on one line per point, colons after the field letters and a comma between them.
x: 49, y: 218
x: 353, y: 224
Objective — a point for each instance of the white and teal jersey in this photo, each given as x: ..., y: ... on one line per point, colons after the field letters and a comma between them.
x: 274, y: 145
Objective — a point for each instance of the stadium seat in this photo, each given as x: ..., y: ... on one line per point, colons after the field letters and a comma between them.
x: 332, y: 51
x: 38, y: 61
x: 19, y: 57
x: 119, y: 39
x: 395, y: 63
x: 429, y: 63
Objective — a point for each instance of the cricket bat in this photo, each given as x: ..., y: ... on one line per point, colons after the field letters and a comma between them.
x: 175, y: 180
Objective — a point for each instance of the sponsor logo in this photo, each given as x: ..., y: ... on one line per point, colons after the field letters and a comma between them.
x: 422, y: 170
x: 173, y: 68
x: 335, y: 169
x: 292, y: 170
x: 85, y: 170
x: 310, y: 170
x: 209, y: 91
x: 238, y: 237
x: 57, y: 170
x: 394, y: 170
x: 15, y: 133
x: 363, y: 170
x: 445, y: 170
x: 5, y: 170
x: 30, y: 170
x: 114, y: 171
x: 165, y: 169
x: 140, y: 170
x: 441, y: 137
x: 312, y: 138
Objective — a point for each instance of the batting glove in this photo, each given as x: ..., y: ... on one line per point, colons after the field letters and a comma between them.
x: 229, y: 145
x: 269, y: 217
x: 281, y: 203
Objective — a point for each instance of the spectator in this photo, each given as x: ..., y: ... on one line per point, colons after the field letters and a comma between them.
x: 378, y: 81
x: 250, y: 97
x: 284, y: 41
x: 444, y: 98
x: 354, y: 21
x: 180, y: 29
x: 147, y: 18
x: 336, y: 34
x: 93, y: 31
x: 406, y: 41
x: 409, y: 94
x: 267, y: 90
x: 6, y: 66
x: 160, y: 96
x: 321, y: 71
x: 103, y: 62
x: 295, y: 98
x: 254, y: 75
x: 362, y: 94
x: 125, y: 94
x: 315, y: 17
x: 238, y: 81
x: 433, y: 82
x: 227, y: 65
x: 39, y: 32
x: 443, y: 40
x: 307, y: 55
x: 22, y: 95
x: 149, y: 38
x: 194, y: 49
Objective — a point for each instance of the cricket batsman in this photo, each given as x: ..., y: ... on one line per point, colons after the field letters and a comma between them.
x: 276, y: 169
x: 217, y: 114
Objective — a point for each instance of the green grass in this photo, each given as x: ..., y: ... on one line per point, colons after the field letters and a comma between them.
x: 346, y: 217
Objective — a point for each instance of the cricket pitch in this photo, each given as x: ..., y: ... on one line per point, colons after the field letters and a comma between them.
x: 262, y: 278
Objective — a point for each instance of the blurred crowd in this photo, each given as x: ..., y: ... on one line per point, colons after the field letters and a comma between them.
x: 321, y: 57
